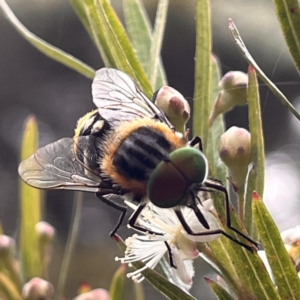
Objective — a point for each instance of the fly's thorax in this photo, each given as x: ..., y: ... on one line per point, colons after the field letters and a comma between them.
x: 134, y: 150
x: 92, y: 123
x: 90, y: 139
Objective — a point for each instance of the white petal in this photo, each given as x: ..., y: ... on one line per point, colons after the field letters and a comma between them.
x: 197, y: 227
x: 188, y: 248
x: 140, y: 248
x: 291, y: 235
x: 184, y: 271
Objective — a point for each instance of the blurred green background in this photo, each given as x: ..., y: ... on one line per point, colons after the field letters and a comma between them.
x: 30, y: 83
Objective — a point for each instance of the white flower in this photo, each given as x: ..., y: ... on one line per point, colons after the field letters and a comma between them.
x: 291, y: 240
x: 151, y: 248
x: 291, y: 236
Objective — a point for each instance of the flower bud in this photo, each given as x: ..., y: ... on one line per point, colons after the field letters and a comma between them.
x: 174, y: 105
x: 235, y: 151
x: 45, y: 234
x: 37, y: 289
x: 45, y: 231
x: 233, y: 91
x: 84, y: 287
x: 7, y: 246
x: 97, y: 294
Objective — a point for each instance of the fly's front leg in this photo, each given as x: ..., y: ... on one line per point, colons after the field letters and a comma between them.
x: 219, y: 187
x: 132, y: 223
x: 196, y: 141
x: 133, y: 218
x: 188, y: 229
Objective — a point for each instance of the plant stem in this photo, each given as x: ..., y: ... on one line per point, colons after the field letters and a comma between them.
x: 241, y: 202
x: 74, y: 226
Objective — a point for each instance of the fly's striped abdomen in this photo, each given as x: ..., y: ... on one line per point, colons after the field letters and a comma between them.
x: 133, y: 151
x: 140, y: 153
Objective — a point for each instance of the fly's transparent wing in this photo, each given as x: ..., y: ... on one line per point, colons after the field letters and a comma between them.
x: 64, y: 164
x: 119, y: 98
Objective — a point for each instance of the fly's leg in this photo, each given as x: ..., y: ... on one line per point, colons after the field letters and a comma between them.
x: 132, y: 223
x: 119, y: 207
x: 219, y: 187
x: 196, y: 140
x: 188, y: 229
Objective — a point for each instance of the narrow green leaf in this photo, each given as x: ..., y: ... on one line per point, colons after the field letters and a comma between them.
x: 116, y: 290
x: 288, y: 15
x: 8, y: 289
x: 87, y: 12
x: 216, y: 166
x: 124, y: 57
x: 80, y: 8
x: 47, y: 49
x: 139, y: 29
x: 138, y: 291
x: 286, y: 278
x: 9, y: 266
x: 30, y: 209
x: 157, y: 38
x: 241, y: 46
x: 202, y: 83
x: 220, y: 293
x: 256, y: 177
x: 140, y: 33
x: 251, y: 181
x: 241, y: 269
x: 168, y: 289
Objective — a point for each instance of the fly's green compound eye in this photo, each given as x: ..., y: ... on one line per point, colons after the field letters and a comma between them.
x: 166, y: 186
x: 170, y: 180
x: 191, y: 163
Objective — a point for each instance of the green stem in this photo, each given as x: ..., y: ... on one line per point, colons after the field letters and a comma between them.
x: 241, y: 202
x: 273, y: 88
x: 69, y: 246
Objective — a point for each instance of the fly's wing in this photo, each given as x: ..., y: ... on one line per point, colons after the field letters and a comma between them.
x: 64, y: 164
x: 119, y: 98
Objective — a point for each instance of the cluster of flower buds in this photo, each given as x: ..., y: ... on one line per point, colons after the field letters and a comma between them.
x: 233, y: 92
x: 11, y: 286
x: 235, y: 151
x: 36, y: 288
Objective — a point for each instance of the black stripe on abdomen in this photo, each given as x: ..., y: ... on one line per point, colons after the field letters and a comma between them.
x: 140, y: 153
